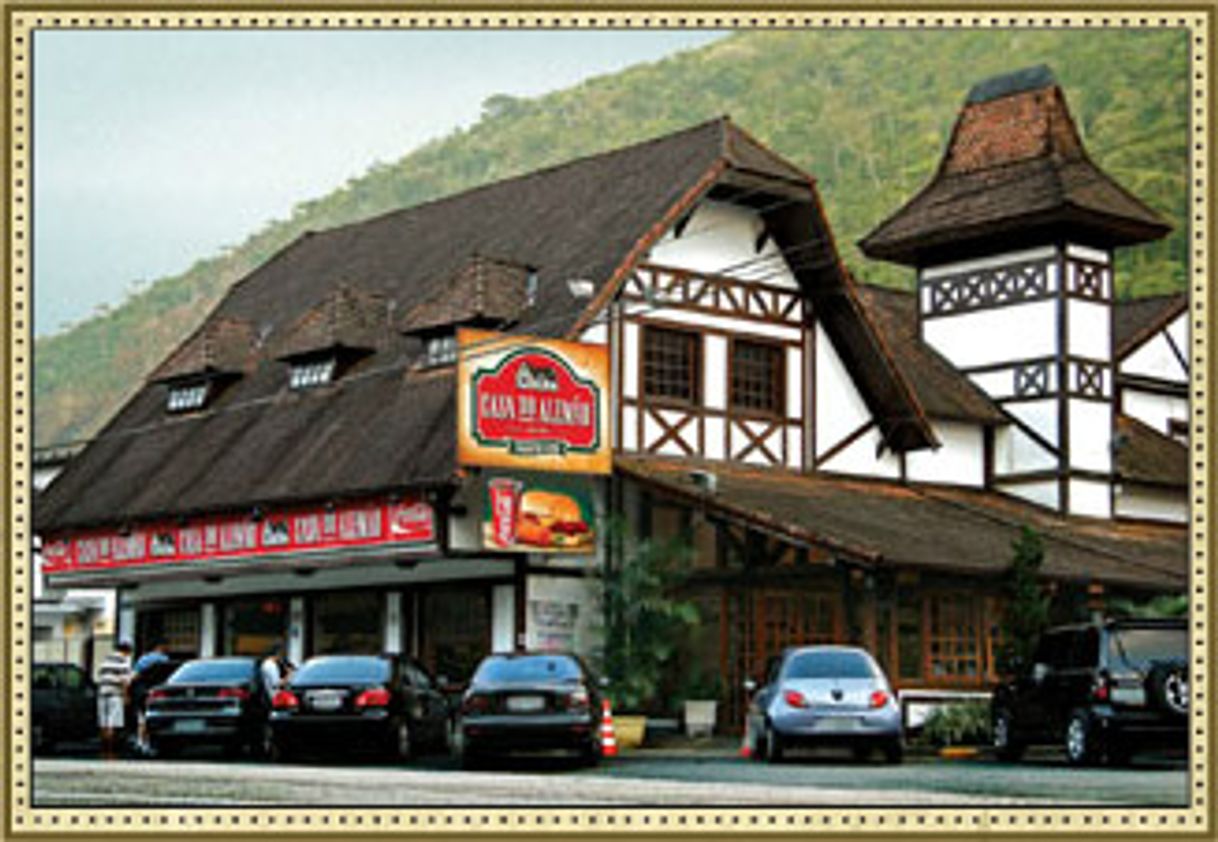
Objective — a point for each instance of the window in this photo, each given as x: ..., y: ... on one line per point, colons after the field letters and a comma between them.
x: 672, y: 364
x: 314, y: 372
x: 252, y: 626
x: 348, y: 622
x: 955, y: 652
x: 442, y: 350
x: 758, y: 375
x: 184, y: 398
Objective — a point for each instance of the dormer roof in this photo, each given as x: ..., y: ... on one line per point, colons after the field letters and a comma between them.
x: 345, y: 319
x: 220, y: 347
x: 483, y: 291
x: 1015, y: 172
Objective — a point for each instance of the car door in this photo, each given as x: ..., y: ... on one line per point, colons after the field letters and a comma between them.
x: 427, y: 705
x: 79, y: 700
x: 1034, y: 688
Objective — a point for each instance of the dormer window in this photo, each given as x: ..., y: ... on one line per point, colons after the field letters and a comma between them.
x: 441, y: 350
x: 186, y: 397
x: 310, y: 373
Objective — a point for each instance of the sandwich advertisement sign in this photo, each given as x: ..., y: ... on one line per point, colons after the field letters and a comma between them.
x: 544, y: 515
x: 535, y: 404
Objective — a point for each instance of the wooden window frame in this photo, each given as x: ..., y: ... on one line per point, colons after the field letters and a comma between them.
x: 778, y: 378
x: 694, y: 372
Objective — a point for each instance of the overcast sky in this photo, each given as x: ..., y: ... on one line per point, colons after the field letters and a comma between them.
x: 154, y: 149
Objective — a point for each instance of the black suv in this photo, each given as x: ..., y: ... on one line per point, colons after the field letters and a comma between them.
x: 65, y: 705
x: 1101, y: 691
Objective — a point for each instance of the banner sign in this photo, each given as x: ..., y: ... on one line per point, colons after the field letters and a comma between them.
x: 535, y: 404
x: 408, y: 523
x: 550, y: 515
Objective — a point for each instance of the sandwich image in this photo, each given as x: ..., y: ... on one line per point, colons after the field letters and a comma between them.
x: 548, y: 519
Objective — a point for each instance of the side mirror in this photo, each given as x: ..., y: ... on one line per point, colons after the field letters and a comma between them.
x: 1039, y: 672
x: 750, y: 685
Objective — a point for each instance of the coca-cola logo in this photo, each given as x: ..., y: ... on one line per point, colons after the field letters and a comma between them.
x: 534, y: 403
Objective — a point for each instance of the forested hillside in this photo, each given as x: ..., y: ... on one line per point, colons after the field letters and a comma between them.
x: 866, y: 113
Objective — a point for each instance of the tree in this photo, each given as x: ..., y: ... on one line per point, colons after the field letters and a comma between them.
x: 1027, y: 605
x: 1164, y: 605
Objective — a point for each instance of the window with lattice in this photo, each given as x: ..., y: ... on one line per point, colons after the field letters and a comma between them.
x: 757, y: 377
x: 672, y: 364
x: 307, y: 374
x: 954, y: 637
x: 186, y: 397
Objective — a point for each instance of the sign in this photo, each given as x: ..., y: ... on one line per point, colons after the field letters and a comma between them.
x: 407, y: 524
x: 535, y: 404
x: 549, y: 515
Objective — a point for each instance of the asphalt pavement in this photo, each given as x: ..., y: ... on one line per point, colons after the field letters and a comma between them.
x: 707, y: 777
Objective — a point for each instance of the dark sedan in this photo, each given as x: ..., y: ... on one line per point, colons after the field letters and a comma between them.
x: 209, y: 702
x: 530, y: 702
x: 381, y: 705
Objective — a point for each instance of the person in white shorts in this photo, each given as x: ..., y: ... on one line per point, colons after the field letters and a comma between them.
x: 113, y: 677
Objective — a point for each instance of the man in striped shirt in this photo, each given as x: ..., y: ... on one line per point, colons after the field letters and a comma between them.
x: 113, y: 677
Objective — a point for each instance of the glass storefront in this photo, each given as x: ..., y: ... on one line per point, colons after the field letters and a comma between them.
x: 347, y: 622
x: 454, y: 629
x: 252, y: 626
x: 178, y: 627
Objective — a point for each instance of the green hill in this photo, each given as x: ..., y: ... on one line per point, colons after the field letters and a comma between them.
x: 866, y: 113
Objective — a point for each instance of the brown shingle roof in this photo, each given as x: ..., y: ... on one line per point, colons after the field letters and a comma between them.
x: 1135, y: 321
x: 483, y: 291
x: 585, y: 219
x: 219, y: 346
x: 1014, y: 168
x: 1145, y: 455
x: 958, y: 530
x: 942, y: 390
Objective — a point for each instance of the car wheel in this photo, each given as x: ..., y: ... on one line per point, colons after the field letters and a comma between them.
x: 1006, y: 746
x: 894, y: 752
x: 403, y: 740
x: 774, y: 748
x: 1080, y: 740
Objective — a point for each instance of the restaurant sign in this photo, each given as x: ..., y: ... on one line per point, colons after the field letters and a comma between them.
x: 536, y: 404
x: 409, y: 524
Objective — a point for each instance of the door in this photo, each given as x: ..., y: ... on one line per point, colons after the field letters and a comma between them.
x: 454, y: 630
x: 1035, y: 688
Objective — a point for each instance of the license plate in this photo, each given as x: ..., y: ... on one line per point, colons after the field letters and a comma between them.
x: 189, y: 726
x: 326, y: 702
x: 525, y: 704
x: 837, y: 724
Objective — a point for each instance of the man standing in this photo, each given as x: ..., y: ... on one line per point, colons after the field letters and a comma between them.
x: 142, y: 681
x: 272, y: 670
x: 113, y: 677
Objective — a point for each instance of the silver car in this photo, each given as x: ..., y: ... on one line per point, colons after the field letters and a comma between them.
x: 824, y: 696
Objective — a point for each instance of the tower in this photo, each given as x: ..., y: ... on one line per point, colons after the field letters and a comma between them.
x: 1013, y: 242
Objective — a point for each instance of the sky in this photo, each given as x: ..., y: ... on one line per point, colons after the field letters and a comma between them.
x: 154, y: 149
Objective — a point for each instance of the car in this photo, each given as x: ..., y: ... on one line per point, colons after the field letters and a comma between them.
x: 821, y: 696
x: 64, y: 705
x: 209, y: 702
x: 1099, y: 690
x: 530, y: 701
x: 388, y: 705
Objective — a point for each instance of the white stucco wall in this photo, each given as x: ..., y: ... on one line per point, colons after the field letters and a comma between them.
x: 1088, y: 329
x: 1017, y: 452
x: 840, y: 409
x: 1090, y: 435
x: 860, y: 459
x: 1090, y: 498
x: 1043, y: 493
x: 959, y: 461
x: 1156, y: 359
x: 1152, y: 504
x: 985, y: 337
x: 720, y: 238
x: 1152, y: 409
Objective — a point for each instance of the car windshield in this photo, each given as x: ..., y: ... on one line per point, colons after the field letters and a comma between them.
x: 540, y: 668
x: 359, y: 670
x: 220, y: 669
x: 1141, y: 647
x: 829, y: 664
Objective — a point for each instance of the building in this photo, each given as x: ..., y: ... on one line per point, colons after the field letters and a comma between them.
x: 849, y: 462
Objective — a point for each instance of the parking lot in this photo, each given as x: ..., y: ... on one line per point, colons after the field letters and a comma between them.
x: 710, y: 776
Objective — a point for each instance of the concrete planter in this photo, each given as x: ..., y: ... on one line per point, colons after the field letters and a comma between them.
x: 629, y: 731
x: 700, y: 717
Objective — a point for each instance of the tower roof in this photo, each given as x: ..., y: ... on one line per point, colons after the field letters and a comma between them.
x: 1015, y: 172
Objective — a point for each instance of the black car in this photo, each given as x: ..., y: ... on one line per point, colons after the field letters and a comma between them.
x: 530, y: 701
x: 64, y: 703
x: 1101, y: 691
x: 209, y: 702
x: 377, y: 704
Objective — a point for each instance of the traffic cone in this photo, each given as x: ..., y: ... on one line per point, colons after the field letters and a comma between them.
x: 608, y: 738
x: 746, y: 745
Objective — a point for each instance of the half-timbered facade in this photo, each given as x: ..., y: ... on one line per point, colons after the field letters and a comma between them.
x: 850, y: 463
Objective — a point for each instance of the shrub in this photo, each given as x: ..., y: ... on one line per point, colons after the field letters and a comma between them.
x: 963, y: 723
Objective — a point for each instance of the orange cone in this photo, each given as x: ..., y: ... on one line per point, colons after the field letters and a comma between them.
x: 608, y: 738
x: 746, y: 745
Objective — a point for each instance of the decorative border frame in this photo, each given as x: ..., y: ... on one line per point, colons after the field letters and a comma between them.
x: 23, y: 820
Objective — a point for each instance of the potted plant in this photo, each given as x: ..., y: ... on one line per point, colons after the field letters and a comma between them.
x: 644, y: 620
x: 701, y: 702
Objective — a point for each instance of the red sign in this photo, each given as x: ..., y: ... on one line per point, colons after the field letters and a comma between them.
x: 406, y: 524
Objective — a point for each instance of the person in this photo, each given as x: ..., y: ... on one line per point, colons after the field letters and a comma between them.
x: 275, y: 669
x: 144, y: 676
x: 113, y: 679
